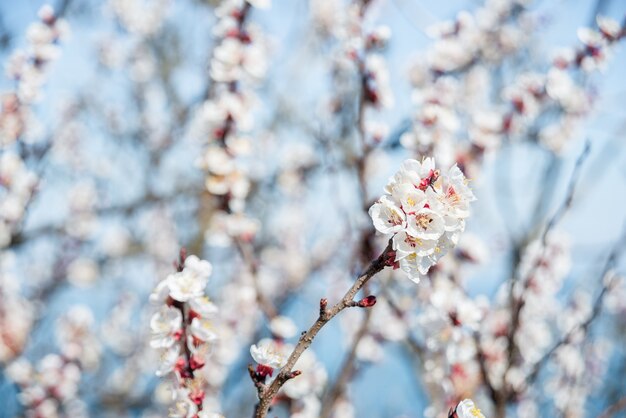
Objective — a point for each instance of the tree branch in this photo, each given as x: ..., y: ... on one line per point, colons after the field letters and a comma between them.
x: 325, y: 315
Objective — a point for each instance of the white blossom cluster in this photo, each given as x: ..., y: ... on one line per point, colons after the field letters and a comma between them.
x: 452, y: 83
x: 183, y: 332
x: 28, y: 68
x: 17, y: 184
x: 559, y: 90
x: 238, y: 62
x: 51, y: 389
x: 359, y: 65
x: 485, y: 34
x: 142, y: 17
x: 424, y: 210
x: 17, y: 313
x: 446, y: 326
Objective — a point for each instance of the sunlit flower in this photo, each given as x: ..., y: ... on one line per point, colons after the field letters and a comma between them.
x: 425, y: 211
x: 467, y: 409
x: 166, y: 327
x: 268, y: 353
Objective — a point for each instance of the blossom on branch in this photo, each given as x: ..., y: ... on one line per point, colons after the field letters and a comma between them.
x: 269, y: 355
x: 184, y: 332
x: 466, y: 409
x: 426, y: 212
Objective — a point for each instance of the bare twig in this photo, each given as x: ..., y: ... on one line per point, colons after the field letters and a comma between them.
x: 325, y: 315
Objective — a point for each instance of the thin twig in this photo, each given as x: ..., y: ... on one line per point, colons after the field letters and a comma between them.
x: 325, y: 315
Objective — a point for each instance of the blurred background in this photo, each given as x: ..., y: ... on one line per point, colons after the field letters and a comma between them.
x: 109, y: 165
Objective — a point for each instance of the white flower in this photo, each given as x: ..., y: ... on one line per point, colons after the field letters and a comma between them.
x: 609, y: 27
x: 467, y: 409
x: 82, y: 272
x: 186, y: 285
x: 426, y: 224
x: 183, y: 408
x: 199, y: 267
x: 283, y: 327
x: 165, y: 325
x: 203, y: 329
x: 405, y: 245
x: 268, y: 353
x: 168, y: 360
x: 203, y: 307
x: 160, y: 293
x: 387, y: 216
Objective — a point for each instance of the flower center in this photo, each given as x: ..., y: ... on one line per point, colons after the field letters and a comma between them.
x: 423, y: 221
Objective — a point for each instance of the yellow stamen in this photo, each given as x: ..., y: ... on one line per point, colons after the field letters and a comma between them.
x: 475, y: 411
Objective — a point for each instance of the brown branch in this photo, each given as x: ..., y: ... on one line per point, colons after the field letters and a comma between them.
x: 612, y: 410
x: 247, y: 254
x: 326, y: 314
x: 517, y: 305
x: 480, y: 358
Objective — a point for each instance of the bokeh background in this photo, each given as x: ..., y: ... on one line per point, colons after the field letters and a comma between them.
x: 115, y: 143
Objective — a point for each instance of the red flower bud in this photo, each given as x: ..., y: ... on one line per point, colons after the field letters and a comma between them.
x: 196, y: 362
x: 263, y: 370
x: 367, y: 302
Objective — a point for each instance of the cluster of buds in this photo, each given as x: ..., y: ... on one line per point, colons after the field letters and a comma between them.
x: 183, y: 332
x: 238, y: 62
x: 424, y: 211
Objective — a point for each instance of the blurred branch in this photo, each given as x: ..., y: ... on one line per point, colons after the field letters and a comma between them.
x: 517, y: 304
x: 612, y: 410
x: 125, y: 209
x: 597, y: 308
x: 246, y: 251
